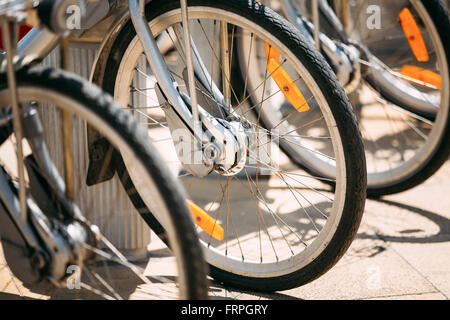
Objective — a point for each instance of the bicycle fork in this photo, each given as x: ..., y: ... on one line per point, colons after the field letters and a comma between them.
x: 214, y: 145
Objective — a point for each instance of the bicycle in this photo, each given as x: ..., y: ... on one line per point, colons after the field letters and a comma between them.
x: 256, y: 247
x: 397, y: 74
x: 221, y: 154
x: 48, y: 194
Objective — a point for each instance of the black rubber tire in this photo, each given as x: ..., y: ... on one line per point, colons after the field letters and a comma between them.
x: 441, y: 19
x: 104, y: 106
x: 344, y: 117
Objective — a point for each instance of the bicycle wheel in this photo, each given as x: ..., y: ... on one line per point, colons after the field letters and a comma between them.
x: 281, y: 228
x: 106, y: 272
x: 403, y: 100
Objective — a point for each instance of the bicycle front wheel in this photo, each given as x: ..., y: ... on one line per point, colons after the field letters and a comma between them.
x: 403, y: 99
x: 281, y: 228
x: 51, y: 92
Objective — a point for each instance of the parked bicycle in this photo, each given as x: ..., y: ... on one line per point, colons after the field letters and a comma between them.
x: 49, y: 194
x: 179, y: 80
x: 393, y: 59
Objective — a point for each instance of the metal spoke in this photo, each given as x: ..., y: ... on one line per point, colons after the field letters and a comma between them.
x: 296, y: 190
x: 266, y: 99
x: 309, y: 187
x: 299, y: 202
x: 96, y: 291
x: 275, y: 216
x: 95, y: 275
x: 259, y: 86
x: 260, y: 220
x: 226, y: 76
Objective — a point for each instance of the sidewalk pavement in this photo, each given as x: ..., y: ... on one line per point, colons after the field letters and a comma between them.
x: 402, y: 251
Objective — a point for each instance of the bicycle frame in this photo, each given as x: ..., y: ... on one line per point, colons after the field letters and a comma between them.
x: 31, y: 229
x: 38, y: 43
x: 184, y: 111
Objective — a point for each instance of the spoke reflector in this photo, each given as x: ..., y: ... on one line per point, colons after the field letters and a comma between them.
x: 205, y: 222
x: 284, y: 81
x: 427, y: 76
x: 412, y: 33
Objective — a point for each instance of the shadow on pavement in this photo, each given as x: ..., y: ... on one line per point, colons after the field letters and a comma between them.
x: 441, y: 223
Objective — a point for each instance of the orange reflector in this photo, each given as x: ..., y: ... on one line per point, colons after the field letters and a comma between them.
x: 423, y: 75
x: 271, y: 53
x: 284, y: 81
x: 205, y: 222
x: 412, y: 33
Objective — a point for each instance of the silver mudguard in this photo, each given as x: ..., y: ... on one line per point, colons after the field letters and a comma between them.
x: 116, y: 22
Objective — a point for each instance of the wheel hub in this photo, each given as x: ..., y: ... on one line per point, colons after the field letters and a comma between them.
x: 234, y: 149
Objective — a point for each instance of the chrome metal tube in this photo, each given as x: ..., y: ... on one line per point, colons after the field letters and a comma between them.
x: 189, y: 62
x: 225, y: 60
x: 36, y: 45
x: 69, y: 177
x: 158, y: 65
x: 9, y: 42
x: 316, y: 22
x: 200, y: 70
